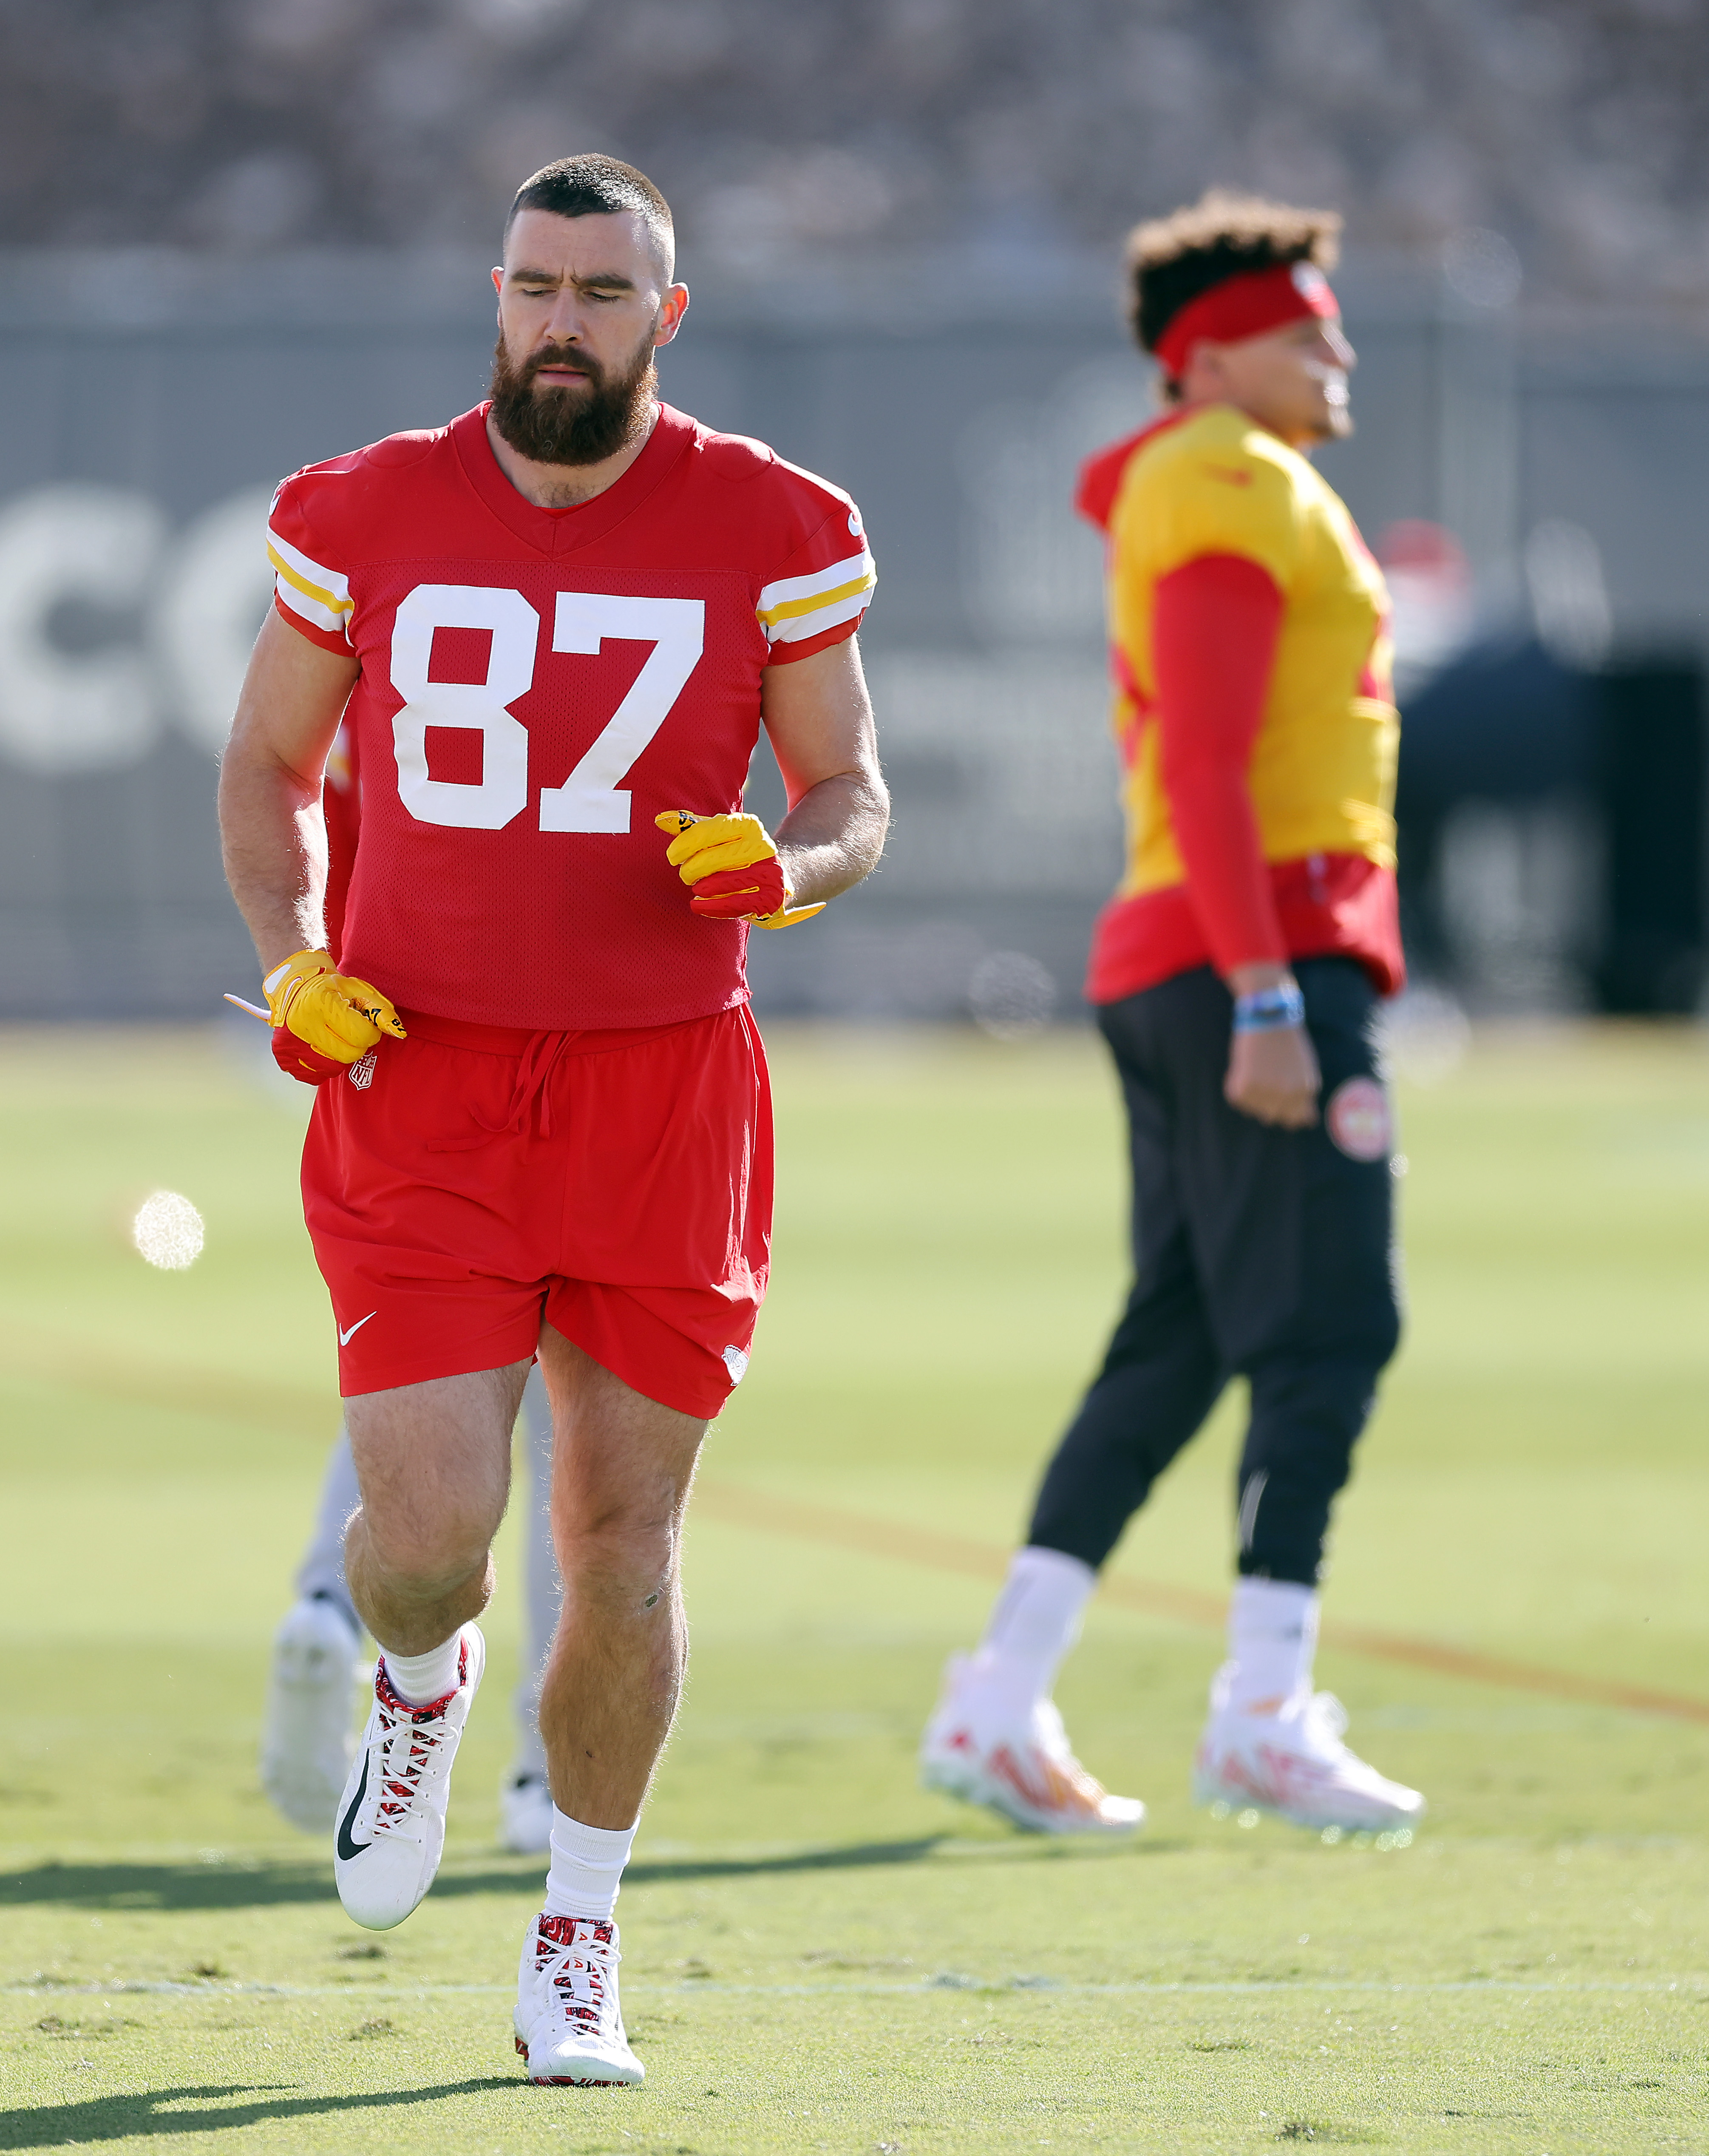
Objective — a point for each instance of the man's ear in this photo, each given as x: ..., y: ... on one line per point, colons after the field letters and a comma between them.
x: 672, y: 309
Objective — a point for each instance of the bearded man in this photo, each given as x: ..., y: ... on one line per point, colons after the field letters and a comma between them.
x: 1236, y: 976
x: 543, y: 1126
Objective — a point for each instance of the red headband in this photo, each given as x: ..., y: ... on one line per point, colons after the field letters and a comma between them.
x: 1246, y: 307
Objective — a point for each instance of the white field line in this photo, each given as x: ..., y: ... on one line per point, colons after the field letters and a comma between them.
x: 358, y: 1993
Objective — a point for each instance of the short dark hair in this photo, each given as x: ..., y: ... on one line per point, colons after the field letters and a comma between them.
x: 1172, y: 260
x: 590, y: 185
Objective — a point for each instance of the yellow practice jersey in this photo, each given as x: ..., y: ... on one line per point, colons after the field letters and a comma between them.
x: 1322, y: 770
x: 1213, y: 482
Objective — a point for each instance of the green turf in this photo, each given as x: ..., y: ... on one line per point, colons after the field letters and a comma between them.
x: 819, y: 1956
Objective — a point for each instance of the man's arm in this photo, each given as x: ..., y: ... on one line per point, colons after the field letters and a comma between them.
x: 271, y: 828
x: 1217, y: 621
x: 818, y: 717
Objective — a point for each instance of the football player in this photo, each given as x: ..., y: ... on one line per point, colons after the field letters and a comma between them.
x: 543, y: 1123
x: 1236, y: 976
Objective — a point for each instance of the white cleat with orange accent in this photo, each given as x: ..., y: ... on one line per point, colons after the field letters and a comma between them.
x: 568, y: 2022
x: 1026, y: 1771
x: 1294, y: 1763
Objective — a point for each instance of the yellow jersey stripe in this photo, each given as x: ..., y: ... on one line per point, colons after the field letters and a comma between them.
x: 790, y: 608
x: 332, y: 603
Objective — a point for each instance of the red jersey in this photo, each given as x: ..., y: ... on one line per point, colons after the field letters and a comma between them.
x: 537, y: 684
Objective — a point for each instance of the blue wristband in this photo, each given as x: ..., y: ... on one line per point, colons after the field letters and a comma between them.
x: 1266, y: 1010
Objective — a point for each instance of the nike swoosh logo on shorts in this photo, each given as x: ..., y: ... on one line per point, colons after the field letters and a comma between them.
x: 345, y: 1338
x: 347, y: 1848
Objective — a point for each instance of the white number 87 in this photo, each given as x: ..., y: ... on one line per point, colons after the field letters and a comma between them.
x: 590, y: 799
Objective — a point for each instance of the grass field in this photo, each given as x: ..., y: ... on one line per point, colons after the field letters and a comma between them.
x: 819, y: 1956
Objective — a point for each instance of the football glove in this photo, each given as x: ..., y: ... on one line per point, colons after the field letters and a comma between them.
x: 323, y: 1021
x: 731, y: 866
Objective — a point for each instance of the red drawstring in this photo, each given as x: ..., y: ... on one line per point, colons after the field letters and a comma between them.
x: 534, y: 1067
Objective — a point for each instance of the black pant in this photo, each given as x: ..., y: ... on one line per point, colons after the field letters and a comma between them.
x: 1260, y: 1252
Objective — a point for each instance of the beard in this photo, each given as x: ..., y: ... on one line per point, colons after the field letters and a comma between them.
x: 554, y: 426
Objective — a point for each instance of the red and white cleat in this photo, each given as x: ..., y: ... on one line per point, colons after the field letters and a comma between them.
x: 391, y: 1816
x: 1294, y: 1763
x: 1026, y: 1770
x: 569, y: 2023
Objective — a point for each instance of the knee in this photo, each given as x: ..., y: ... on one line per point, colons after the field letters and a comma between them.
x: 624, y: 1541
x: 422, y: 1553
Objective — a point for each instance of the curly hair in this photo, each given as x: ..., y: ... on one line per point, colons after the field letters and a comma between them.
x: 1170, y: 260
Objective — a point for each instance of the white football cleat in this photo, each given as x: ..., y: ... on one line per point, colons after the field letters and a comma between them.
x: 307, y: 1727
x: 1025, y: 1770
x: 525, y: 1813
x: 1294, y: 1763
x: 392, y: 1817
x: 569, y: 2023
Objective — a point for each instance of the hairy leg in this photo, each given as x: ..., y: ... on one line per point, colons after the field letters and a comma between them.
x: 621, y: 1475
x: 433, y: 1461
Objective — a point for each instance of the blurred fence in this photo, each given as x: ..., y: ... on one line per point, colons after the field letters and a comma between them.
x: 153, y: 400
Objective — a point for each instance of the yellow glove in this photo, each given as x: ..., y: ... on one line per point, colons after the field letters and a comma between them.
x: 331, y: 1015
x: 731, y: 866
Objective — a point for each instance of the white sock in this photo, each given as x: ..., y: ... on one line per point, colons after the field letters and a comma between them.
x: 421, y: 1679
x: 1272, y: 1641
x: 587, y: 1866
x: 1036, y: 1621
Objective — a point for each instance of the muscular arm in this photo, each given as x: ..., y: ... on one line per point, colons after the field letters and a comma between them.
x: 271, y: 828
x: 818, y: 717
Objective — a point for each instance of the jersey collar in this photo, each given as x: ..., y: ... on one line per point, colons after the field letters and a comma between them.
x: 567, y: 531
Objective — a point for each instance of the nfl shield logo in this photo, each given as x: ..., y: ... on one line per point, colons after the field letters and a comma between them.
x: 361, y: 1072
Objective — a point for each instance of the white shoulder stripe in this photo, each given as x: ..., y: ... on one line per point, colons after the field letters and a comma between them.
x: 789, y: 589
x: 800, y: 626
x: 318, y: 595
x: 310, y: 610
x: 325, y: 584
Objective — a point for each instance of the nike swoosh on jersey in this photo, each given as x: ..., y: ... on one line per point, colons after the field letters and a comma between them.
x: 348, y: 1849
x: 345, y: 1338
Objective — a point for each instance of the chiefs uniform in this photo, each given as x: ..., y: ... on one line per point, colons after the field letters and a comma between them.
x: 1210, y: 486
x: 577, y: 1126
x: 1248, y: 638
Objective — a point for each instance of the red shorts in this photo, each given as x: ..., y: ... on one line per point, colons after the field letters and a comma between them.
x: 464, y: 1185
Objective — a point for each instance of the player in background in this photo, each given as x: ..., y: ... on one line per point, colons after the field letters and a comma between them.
x: 544, y: 1122
x: 1236, y: 976
x: 306, y: 1738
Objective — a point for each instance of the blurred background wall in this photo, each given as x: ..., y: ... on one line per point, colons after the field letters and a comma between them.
x: 240, y: 235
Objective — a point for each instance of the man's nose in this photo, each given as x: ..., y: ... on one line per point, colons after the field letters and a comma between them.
x: 563, y: 324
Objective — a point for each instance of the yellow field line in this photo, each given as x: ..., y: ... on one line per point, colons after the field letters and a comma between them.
x: 869, y: 1536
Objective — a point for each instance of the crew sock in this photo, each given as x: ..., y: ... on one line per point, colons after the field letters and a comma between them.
x: 586, y: 1867
x: 1272, y: 1642
x: 1036, y: 1619
x: 421, y: 1679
